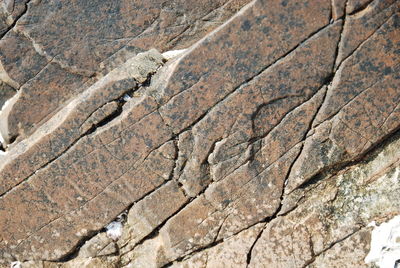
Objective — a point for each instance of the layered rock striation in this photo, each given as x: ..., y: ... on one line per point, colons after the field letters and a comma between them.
x: 197, y: 133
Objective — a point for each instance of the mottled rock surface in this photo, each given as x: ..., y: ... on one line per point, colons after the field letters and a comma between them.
x: 51, y: 58
x: 270, y: 138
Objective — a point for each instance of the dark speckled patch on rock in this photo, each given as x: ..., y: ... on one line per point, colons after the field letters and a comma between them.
x: 362, y: 104
x: 6, y: 92
x: 361, y: 26
x: 251, y: 53
x: 75, y: 120
x: 86, y: 38
x: 270, y: 114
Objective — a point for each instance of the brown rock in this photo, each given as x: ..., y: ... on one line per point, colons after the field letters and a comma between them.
x: 332, y: 216
x: 353, y: 6
x: 360, y: 26
x: 229, y: 194
x: 85, y: 212
x: 89, y: 263
x: 262, y: 47
x: 54, y: 79
x: 6, y: 92
x: 81, y: 40
x: 10, y: 12
x: 348, y: 253
x: 338, y: 8
x: 74, y: 120
x: 213, y: 128
x: 230, y: 253
x: 147, y: 214
x: 99, y: 245
x: 19, y: 59
x: 362, y: 102
x: 271, y: 141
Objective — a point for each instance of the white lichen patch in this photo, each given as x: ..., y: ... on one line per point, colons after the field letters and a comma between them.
x: 1, y: 111
x: 4, y: 112
x: 114, y: 230
x: 385, y: 244
x: 16, y: 264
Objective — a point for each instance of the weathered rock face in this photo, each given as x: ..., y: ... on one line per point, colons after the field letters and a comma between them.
x: 270, y: 141
x: 51, y: 58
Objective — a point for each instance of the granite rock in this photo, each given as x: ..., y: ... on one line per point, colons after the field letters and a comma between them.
x: 264, y: 137
x: 77, y: 42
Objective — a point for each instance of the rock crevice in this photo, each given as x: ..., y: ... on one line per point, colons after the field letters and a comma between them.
x: 268, y: 141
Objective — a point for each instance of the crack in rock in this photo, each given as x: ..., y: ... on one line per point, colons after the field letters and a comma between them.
x: 270, y: 139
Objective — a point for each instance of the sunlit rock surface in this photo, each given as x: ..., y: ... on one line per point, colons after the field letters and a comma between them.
x: 198, y: 133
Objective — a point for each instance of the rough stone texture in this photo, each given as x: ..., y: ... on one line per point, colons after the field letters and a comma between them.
x: 347, y: 253
x: 360, y: 26
x: 79, y: 41
x: 10, y: 12
x: 75, y: 120
x: 362, y: 102
x: 99, y: 245
x: 147, y: 214
x: 334, y: 212
x: 6, y: 92
x: 353, y: 6
x: 231, y: 253
x: 271, y: 141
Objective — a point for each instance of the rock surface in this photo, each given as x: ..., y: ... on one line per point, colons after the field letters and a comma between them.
x: 52, y: 58
x: 271, y: 140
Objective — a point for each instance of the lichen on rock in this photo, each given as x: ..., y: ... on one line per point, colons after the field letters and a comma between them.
x: 228, y: 133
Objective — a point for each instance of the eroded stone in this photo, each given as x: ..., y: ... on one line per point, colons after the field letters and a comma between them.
x: 82, y: 40
x: 244, y: 149
x: 362, y: 104
x: 336, y: 210
x: 6, y: 92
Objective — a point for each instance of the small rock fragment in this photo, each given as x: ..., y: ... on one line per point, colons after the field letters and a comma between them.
x: 114, y: 230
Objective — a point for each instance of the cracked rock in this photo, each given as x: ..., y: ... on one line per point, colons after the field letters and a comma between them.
x: 228, y: 133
